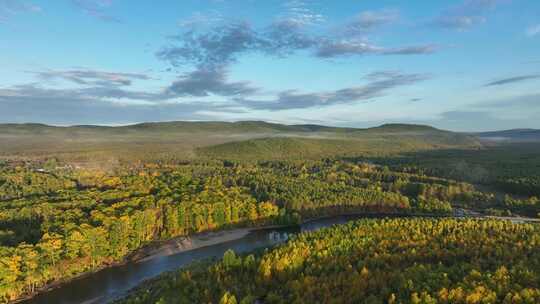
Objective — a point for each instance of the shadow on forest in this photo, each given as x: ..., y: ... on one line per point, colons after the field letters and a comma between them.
x: 16, y: 231
x: 483, y: 166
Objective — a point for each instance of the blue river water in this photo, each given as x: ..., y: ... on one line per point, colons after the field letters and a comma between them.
x: 114, y: 282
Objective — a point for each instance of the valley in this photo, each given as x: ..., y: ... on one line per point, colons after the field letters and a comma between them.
x: 65, y: 218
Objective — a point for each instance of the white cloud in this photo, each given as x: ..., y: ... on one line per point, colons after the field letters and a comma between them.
x: 299, y: 13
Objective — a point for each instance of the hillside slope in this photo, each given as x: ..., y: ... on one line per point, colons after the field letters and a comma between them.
x: 378, y: 141
x: 173, y: 141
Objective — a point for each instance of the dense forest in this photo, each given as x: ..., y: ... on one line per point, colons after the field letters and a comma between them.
x: 63, y: 216
x: 371, y: 261
x: 56, y: 222
x: 508, y: 168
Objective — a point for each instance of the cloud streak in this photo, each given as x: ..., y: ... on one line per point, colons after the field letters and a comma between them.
x: 111, y: 86
x: 370, y: 20
x: 103, y: 93
x: 511, y: 80
x: 332, y: 49
x: 298, y: 12
x: 466, y: 15
x: 113, y: 104
x: 378, y: 85
x: 98, y: 105
x: 92, y: 77
x: 69, y: 110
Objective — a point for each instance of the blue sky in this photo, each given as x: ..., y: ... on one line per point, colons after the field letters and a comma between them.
x: 462, y: 65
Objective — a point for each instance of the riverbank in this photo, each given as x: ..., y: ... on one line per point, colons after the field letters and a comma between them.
x: 158, y: 249
x: 183, y: 244
x: 187, y: 243
x: 60, y: 283
x: 210, y: 238
x: 194, y: 241
x: 180, y: 244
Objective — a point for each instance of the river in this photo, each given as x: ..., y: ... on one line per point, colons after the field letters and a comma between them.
x: 114, y: 282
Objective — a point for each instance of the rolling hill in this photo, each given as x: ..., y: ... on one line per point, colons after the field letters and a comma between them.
x: 378, y: 141
x: 172, y: 141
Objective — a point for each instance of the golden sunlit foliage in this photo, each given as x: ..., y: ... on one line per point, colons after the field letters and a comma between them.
x: 58, y: 223
x: 371, y: 261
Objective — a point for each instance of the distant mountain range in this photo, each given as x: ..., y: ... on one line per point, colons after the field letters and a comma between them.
x: 201, y: 126
x: 514, y: 135
x: 246, y: 139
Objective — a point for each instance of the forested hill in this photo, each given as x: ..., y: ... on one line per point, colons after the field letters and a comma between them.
x: 169, y: 127
x: 383, y: 140
x: 196, y: 126
x: 188, y: 140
